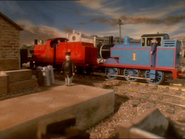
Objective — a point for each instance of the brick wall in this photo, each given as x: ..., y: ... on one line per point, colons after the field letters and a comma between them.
x: 9, y: 45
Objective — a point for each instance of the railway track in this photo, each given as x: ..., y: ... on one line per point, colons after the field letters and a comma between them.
x: 172, y: 94
x: 101, y: 76
x: 154, y: 97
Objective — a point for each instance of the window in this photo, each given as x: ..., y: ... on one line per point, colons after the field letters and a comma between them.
x: 183, y: 43
x: 143, y: 42
x: 166, y: 37
x: 158, y: 41
x: 149, y: 41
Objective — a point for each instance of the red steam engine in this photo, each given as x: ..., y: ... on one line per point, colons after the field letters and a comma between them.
x: 83, y: 54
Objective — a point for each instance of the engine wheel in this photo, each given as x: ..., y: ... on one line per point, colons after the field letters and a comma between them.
x: 131, y: 72
x: 111, y: 71
x: 159, y: 77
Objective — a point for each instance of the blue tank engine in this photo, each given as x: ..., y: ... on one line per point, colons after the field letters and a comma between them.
x: 133, y: 61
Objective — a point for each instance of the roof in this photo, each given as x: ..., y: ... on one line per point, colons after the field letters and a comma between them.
x: 61, y: 39
x: 12, y: 22
x: 153, y: 35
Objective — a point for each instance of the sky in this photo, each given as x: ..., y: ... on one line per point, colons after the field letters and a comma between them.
x: 46, y: 19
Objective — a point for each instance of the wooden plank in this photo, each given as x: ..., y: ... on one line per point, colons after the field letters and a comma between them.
x: 176, y: 84
x: 174, y: 88
x: 162, y: 86
x: 172, y: 104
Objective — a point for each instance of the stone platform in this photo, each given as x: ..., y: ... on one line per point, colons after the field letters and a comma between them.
x: 15, y: 81
x: 19, y: 117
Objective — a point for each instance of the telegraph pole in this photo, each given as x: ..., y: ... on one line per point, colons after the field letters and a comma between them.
x: 120, y: 23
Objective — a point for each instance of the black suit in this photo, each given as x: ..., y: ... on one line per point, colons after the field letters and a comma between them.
x: 153, y: 55
x: 68, y: 67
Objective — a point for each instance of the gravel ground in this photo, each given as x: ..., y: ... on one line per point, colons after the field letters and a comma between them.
x: 127, y: 110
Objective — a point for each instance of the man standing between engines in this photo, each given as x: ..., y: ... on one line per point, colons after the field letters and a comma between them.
x: 68, y: 68
x: 153, y: 52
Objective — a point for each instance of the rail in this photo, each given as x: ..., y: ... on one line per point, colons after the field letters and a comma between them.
x: 128, y: 76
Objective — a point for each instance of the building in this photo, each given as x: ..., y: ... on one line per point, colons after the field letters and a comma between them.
x: 12, y: 78
x: 9, y: 44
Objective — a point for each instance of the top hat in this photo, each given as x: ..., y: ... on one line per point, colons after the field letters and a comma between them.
x: 69, y: 52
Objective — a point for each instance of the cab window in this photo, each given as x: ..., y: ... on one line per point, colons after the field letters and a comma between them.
x: 166, y: 37
x: 143, y: 42
x: 158, y: 41
x: 149, y: 42
x: 183, y: 43
x: 53, y: 43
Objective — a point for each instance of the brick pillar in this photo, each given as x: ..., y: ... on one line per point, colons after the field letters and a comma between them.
x: 9, y: 46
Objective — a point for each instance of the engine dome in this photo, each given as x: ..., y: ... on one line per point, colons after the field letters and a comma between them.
x: 126, y: 40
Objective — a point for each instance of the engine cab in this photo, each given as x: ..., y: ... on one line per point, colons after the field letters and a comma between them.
x: 146, y: 39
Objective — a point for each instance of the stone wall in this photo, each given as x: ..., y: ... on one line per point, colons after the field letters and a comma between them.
x: 9, y: 45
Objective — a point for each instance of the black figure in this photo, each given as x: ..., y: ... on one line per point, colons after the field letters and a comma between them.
x: 153, y: 52
x: 68, y: 67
